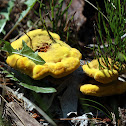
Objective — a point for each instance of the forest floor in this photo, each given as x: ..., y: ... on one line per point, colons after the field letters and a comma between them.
x: 68, y: 106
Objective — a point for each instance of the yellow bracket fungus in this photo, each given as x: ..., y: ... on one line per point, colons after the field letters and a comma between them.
x: 104, y: 75
x: 99, y: 90
x: 105, y: 81
x: 60, y: 58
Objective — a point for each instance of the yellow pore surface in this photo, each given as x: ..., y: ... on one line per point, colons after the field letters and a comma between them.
x: 115, y: 87
x: 104, y: 76
x: 60, y: 58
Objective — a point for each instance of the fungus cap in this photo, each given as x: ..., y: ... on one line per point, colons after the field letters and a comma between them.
x: 104, y: 75
x: 60, y: 58
x: 100, y: 90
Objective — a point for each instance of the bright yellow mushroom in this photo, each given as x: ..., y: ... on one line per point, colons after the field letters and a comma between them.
x: 60, y: 58
x: 104, y: 75
x: 99, y: 90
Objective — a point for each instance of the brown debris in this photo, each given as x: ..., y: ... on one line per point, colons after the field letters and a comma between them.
x: 19, y: 116
x: 76, y: 7
x: 43, y: 48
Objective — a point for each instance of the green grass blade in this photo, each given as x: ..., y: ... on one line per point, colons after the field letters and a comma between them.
x: 98, y: 109
x: 97, y: 103
x: 65, y: 10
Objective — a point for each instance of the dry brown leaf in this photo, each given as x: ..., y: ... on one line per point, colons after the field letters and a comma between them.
x: 76, y: 9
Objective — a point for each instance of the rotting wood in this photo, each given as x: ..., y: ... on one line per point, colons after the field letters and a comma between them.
x: 19, y: 116
x: 28, y: 104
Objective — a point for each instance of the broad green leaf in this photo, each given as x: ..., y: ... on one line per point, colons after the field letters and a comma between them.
x: 30, y: 87
x: 29, y: 53
x: 30, y: 4
x: 9, y: 75
x: 6, y: 12
x: 7, y: 47
x: 25, y: 51
x: 38, y: 89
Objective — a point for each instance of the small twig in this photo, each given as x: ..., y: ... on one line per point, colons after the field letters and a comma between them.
x: 41, y: 19
x: 35, y: 23
x: 30, y: 40
x: 8, y: 34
